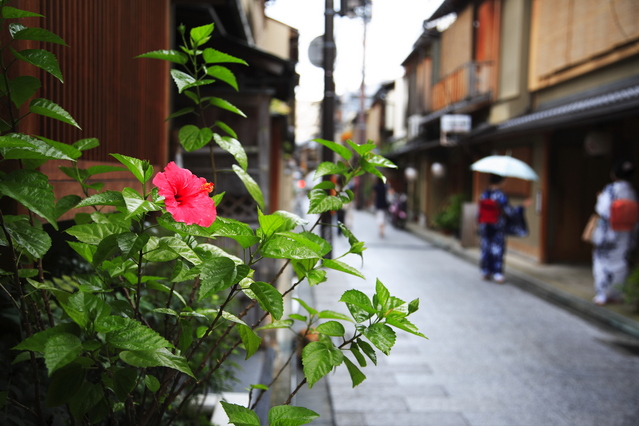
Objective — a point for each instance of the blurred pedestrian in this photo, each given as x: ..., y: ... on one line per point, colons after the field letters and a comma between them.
x: 494, y: 214
x: 615, y: 235
x: 381, y: 204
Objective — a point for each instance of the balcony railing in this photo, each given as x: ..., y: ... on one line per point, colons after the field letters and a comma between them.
x: 468, y: 81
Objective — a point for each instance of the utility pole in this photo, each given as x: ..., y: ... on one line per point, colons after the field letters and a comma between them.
x: 328, y: 108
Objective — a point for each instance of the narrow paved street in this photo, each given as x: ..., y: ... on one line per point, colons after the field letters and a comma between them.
x: 496, y: 355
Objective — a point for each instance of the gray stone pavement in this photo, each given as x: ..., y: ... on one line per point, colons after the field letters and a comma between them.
x: 496, y: 355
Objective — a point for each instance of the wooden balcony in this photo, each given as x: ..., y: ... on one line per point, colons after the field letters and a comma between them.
x: 471, y: 80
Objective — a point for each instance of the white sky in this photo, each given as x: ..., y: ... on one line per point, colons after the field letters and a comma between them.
x: 394, y: 28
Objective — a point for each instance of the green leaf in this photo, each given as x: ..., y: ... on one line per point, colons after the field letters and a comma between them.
x: 167, y: 55
x: 250, y: 340
x: 318, y: 360
x: 239, y: 231
x: 85, y: 144
x: 64, y: 384
x: 52, y: 110
x: 35, y: 241
x: 331, y: 328
x: 359, y: 299
x: 240, y: 416
x: 167, y: 222
x: 314, y: 242
x: 224, y: 104
x: 357, y: 376
x: 382, y: 295
x: 41, y: 59
x: 152, y: 383
x: 22, y: 88
x: 358, y: 355
x: 93, y: 233
x: 224, y: 74
x: 9, y: 12
x: 131, y: 244
x: 183, y: 111
x: 124, y: 381
x: 362, y: 149
x: 233, y: 147
x: 37, y: 342
x: 193, y: 138
x: 183, y: 249
x: 286, y: 415
x: 340, y: 150
x: 334, y: 315
x: 17, y: 146
x: 250, y: 184
x: 38, y: 34
x: 200, y: 35
x: 382, y: 336
x: 330, y: 168
x: 31, y: 189
x: 89, y: 395
x: 96, y: 170
x: 342, y: 267
x: 406, y: 325
x: 106, y: 198
x: 321, y: 202
x: 198, y: 83
x: 135, y: 336
x: 217, y: 274
x: 142, y: 170
x: 61, y: 350
x: 298, y: 317
x: 368, y: 350
x: 282, y: 247
x: 86, y: 309
x: 277, y: 324
x: 181, y: 79
x: 135, y: 204
x: 65, y: 204
x: 269, y: 298
x: 379, y: 161
x: 316, y: 276
x: 156, y: 358
x: 226, y: 128
x: 212, y: 56
x: 413, y: 306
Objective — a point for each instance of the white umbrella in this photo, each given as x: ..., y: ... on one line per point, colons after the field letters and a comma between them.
x: 505, y: 165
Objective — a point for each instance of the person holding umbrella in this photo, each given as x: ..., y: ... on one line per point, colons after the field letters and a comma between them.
x: 496, y: 217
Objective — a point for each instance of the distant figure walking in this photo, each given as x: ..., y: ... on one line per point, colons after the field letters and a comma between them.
x: 615, y: 235
x: 381, y: 204
x: 494, y: 211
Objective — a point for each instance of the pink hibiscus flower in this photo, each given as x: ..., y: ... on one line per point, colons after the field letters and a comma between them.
x: 186, y: 196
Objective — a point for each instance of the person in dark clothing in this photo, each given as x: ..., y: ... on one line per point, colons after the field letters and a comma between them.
x: 381, y: 204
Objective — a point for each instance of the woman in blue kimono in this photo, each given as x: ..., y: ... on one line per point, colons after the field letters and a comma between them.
x: 612, y: 248
x: 496, y: 217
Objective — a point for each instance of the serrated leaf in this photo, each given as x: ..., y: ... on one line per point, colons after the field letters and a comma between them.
x: 330, y: 168
x: 212, y: 56
x: 357, y: 354
x: 93, y: 233
x: 342, y: 267
x: 89, y: 395
x: 383, y: 295
x: 9, y: 12
x: 282, y: 247
x: 31, y: 189
x: 135, y: 204
x: 38, y: 34
x: 250, y: 340
x: 298, y: 317
x: 167, y: 55
x: 318, y: 360
x: 216, y: 275
x: 193, y: 138
x: 50, y: 109
x: 181, y: 79
x: 233, y: 147
x: 311, y: 311
x: 269, y: 298
x: 200, y: 35
x: 22, y: 88
x: 96, y: 170
x: 224, y: 104
x: 331, y: 328
x: 321, y: 202
x: 382, y: 336
x: 130, y: 243
x: 239, y: 231
x: 277, y: 324
x: 65, y: 204
x: 60, y: 350
x: 86, y: 309
x: 406, y: 325
x: 316, y: 276
x: 37, y: 342
x: 142, y: 170
x: 357, y: 376
x: 156, y: 358
x: 286, y: 415
x: 359, y: 299
x: 362, y: 149
x: 183, y: 111
x: 251, y: 186
x: 106, y: 198
x: 340, y: 150
x: 333, y: 315
x: 240, y: 416
x: 35, y: 241
x: 224, y: 74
